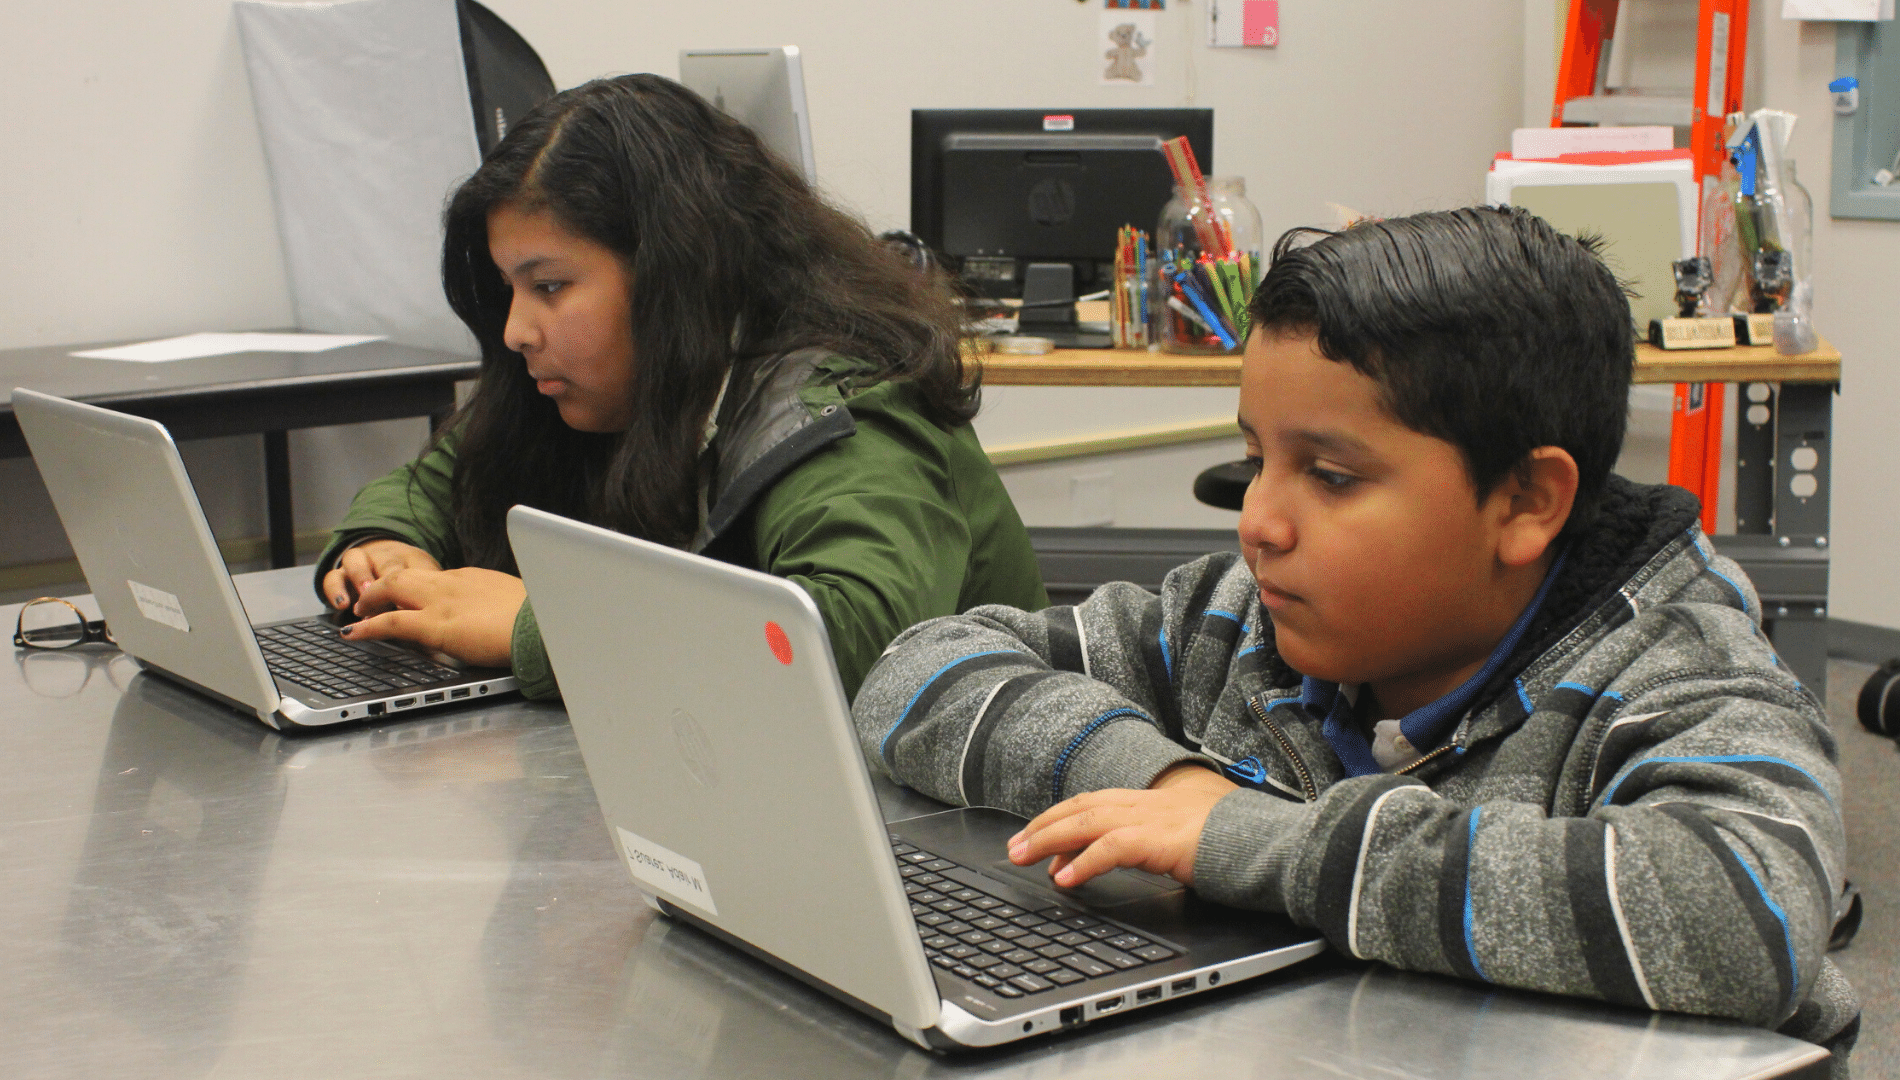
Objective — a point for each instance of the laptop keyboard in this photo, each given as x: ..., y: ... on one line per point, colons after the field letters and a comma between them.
x: 1008, y: 950
x: 309, y: 653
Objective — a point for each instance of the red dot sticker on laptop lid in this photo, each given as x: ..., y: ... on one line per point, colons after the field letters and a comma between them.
x: 781, y: 645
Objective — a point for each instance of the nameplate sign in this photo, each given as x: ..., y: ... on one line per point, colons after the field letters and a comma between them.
x: 666, y: 872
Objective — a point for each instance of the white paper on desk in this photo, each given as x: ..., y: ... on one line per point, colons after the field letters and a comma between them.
x: 192, y: 346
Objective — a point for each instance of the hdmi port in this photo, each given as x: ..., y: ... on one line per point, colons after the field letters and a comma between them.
x: 1107, y: 1005
x: 403, y: 702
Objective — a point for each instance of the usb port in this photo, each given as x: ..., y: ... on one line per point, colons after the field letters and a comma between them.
x: 402, y: 702
x: 431, y: 699
x: 459, y: 692
x: 1108, y: 1005
x: 1152, y: 993
x: 1183, y: 986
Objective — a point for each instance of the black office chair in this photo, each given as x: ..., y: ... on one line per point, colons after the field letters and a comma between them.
x: 1224, y: 486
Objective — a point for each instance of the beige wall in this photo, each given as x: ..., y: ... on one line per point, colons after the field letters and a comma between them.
x: 1327, y: 117
x: 1857, y: 295
x: 1857, y: 306
x: 140, y: 207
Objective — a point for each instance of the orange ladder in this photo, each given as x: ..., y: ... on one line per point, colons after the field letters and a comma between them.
x: 1695, y: 429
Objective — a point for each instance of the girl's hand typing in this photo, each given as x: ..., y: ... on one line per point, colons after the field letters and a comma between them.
x: 366, y: 562
x: 468, y: 614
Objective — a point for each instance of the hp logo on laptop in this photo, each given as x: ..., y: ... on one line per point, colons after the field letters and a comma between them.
x: 695, y: 749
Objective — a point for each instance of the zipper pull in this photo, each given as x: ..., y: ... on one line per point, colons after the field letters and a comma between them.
x: 1308, y: 788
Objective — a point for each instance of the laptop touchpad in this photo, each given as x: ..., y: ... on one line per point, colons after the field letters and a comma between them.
x: 977, y: 837
x: 1106, y: 890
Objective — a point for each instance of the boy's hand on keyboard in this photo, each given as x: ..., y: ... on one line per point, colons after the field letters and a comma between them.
x: 468, y: 613
x: 1157, y: 830
x: 366, y: 562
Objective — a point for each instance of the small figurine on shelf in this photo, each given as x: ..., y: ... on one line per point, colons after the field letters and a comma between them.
x: 1686, y: 331
x: 1693, y: 277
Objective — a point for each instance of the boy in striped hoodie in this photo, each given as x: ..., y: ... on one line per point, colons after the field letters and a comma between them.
x: 1465, y: 701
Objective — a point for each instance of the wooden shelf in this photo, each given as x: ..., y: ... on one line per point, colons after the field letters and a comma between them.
x: 1127, y: 367
x: 1743, y: 363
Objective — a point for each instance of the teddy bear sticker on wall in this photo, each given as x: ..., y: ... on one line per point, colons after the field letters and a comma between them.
x: 1126, y: 45
x: 1127, y: 41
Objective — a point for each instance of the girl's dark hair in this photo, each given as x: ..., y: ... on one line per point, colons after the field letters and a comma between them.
x: 734, y: 262
x: 1484, y: 327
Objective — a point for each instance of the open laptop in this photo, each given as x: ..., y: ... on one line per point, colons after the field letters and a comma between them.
x: 134, y: 522
x: 707, y: 706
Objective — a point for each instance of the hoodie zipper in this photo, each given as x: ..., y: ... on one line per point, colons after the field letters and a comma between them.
x: 1440, y: 752
x: 1307, y: 787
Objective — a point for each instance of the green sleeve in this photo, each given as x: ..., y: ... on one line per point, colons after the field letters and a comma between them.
x: 872, y: 529
x: 534, y: 672
x: 410, y: 503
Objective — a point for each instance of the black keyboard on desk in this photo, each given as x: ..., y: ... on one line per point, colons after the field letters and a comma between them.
x: 1009, y: 950
x: 311, y: 654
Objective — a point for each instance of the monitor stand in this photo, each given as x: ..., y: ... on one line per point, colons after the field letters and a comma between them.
x: 1049, y: 308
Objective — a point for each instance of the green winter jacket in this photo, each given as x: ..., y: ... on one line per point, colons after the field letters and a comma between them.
x: 884, y: 517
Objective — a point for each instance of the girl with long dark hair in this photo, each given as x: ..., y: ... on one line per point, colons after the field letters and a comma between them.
x: 680, y: 341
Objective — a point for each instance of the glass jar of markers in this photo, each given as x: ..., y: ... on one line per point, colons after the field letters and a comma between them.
x: 1208, y: 261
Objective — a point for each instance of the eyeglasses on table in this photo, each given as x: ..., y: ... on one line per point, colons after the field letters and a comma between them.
x: 47, y: 622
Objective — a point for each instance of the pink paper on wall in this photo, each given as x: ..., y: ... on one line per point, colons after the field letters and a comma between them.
x: 1260, y: 22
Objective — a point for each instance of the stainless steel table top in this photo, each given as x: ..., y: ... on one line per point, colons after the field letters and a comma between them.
x: 187, y: 894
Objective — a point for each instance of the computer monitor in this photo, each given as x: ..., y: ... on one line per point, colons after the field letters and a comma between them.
x: 764, y: 89
x: 997, y: 191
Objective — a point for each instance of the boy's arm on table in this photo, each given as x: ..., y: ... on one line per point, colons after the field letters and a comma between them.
x: 1019, y: 710
x: 1698, y: 874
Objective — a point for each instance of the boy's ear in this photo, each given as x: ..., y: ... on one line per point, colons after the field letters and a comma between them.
x: 1535, y: 503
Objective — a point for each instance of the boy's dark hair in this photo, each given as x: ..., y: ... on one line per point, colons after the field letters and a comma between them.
x: 1484, y: 327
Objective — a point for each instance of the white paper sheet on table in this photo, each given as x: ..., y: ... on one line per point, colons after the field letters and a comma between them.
x: 192, y: 346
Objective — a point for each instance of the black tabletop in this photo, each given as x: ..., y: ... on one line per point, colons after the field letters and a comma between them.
x: 241, y: 393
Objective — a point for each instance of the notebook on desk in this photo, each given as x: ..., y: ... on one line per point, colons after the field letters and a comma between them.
x: 707, y: 706
x: 149, y: 557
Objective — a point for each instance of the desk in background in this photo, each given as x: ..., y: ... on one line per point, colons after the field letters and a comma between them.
x: 265, y: 393
x: 1784, y: 420
x: 191, y: 894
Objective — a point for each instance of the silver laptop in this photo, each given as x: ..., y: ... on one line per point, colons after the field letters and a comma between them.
x: 764, y: 89
x: 134, y: 522
x: 708, y: 709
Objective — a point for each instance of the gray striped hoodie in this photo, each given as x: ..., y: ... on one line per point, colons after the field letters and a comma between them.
x: 1641, y: 806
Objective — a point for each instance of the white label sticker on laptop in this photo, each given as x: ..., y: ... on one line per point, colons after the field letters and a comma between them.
x: 159, y: 606
x: 672, y: 874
